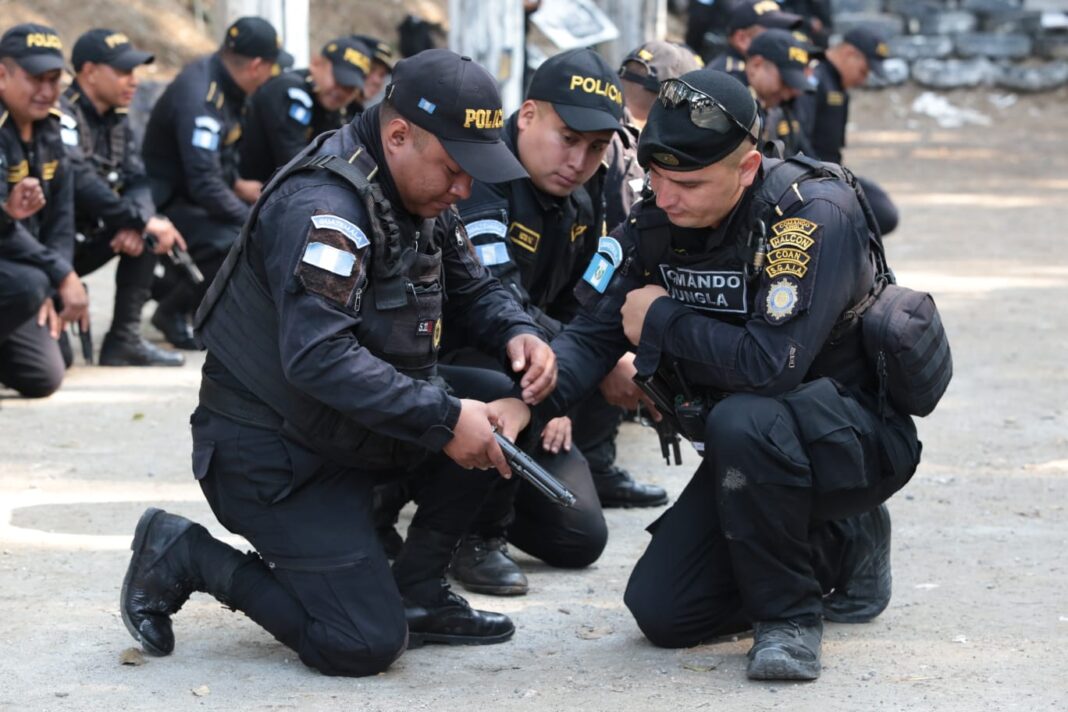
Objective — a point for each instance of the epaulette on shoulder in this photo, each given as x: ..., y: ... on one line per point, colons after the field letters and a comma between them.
x: 3, y: 119
x: 214, y: 96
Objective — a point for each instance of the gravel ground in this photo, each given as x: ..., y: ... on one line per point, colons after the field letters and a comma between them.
x: 979, y: 619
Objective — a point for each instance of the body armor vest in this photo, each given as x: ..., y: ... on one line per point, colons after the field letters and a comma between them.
x: 238, y: 323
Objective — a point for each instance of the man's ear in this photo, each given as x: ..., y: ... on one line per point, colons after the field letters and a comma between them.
x: 527, y: 112
x: 396, y: 133
x: 748, y: 167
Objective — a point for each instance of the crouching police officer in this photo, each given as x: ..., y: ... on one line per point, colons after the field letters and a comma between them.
x: 289, y: 110
x: 733, y: 322
x: 322, y: 331
x: 112, y: 198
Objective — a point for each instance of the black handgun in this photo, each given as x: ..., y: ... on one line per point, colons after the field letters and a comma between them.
x: 667, y: 429
x: 180, y: 259
x: 523, y: 465
x: 86, y: 337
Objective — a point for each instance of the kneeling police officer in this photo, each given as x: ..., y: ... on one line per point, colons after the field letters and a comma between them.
x: 322, y: 330
x: 734, y: 322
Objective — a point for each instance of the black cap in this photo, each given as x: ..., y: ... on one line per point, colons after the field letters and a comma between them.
x: 382, y: 51
x: 766, y: 13
x: 582, y: 88
x: 872, y: 45
x: 36, y: 48
x: 671, y: 140
x: 101, y: 46
x: 255, y: 37
x: 350, y: 59
x: 457, y: 100
x: 662, y: 60
x: 790, y: 54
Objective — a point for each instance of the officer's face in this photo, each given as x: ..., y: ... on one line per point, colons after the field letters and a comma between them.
x: 332, y: 96
x: 426, y: 176
x: 28, y: 97
x: 639, y: 102
x: 374, y: 82
x: 703, y: 198
x: 853, y: 68
x: 558, y: 159
x: 107, y: 85
x: 767, y: 82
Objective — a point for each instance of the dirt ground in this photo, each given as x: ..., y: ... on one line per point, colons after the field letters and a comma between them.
x: 979, y: 617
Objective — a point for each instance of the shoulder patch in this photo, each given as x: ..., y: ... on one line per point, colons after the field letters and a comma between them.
x: 208, y: 122
x: 299, y: 95
x: 68, y: 130
x: 782, y: 300
x: 346, y: 228
x: 486, y: 227
x: 610, y: 246
x: 67, y: 121
x: 835, y: 98
x: 206, y: 133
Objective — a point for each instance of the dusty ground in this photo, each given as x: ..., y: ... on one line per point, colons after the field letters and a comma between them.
x: 979, y: 618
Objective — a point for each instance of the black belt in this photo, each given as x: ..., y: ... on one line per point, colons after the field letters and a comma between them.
x: 220, y: 399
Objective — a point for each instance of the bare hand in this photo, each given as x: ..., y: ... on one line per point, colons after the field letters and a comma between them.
x: 75, y: 301
x: 25, y: 199
x: 533, y: 357
x: 128, y: 242
x: 166, y: 234
x: 557, y: 435
x: 509, y: 416
x: 46, y: 316
x: 619, y: 389
x: 248, y: 190
x: 473, y: 443
x: 636, y: 307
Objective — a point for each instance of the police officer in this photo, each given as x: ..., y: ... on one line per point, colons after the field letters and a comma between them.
x: 191, y: 156
x: 112, y: 198
x: 748, y: 20
x: 824, y: 114
x: 729, y: 278
x: 382, y: 59
x: 818, y: 18
x: 778, y: 71
x: 640, y: 75
x: 39, y: 289
x: 285, y: 114
x: 322, y: 330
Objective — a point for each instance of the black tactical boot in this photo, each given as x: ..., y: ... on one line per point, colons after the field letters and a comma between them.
x: 435, y: 614
x: 175, y: 328
x: 160, y: 578
x: 482, y: 565
x: 616, y: 488
x: 448, y: 618
x: 117, y: 351
x: 786, y: 650
x: 864, y: 584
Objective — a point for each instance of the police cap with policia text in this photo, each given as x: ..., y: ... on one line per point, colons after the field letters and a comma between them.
x: 583, y: 90
x: 35, y: 48
x: 788, y: 53
x: 457, y: 100
x: 872, y: 45
x: 350, y: 60
x: 102, y: 46
x: 697, y: 120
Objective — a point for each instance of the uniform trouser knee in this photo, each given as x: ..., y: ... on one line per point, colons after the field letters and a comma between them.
x: 334, y: 654
x: 23, y: 290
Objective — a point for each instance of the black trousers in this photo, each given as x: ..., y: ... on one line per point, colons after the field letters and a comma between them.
x: 572, y: 537
x: 30, y: 359
x: 209, y: 240
x: 885, y: 210
x: 133, y: 279
x: 324, y: 586
x: 753, y: 535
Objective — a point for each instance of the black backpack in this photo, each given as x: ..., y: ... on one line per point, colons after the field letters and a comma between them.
x: 902, y: 331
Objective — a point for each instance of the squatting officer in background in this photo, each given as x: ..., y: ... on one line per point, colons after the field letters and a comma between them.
x: 729, y: 287
x: 289, y: 110
x: 191, y: 156
x: 778, y: 71
x: 39, y: 290
x: 112, y: 198
x: 322, y: 330
x: 824, y: 114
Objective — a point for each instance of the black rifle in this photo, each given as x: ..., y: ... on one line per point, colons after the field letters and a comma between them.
x: 180, y: 259
x: 524, y: 466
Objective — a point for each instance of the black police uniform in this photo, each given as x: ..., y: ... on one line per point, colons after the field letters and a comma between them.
x: 537, y: 246
x: 791, y: 443
x: 36, y: 254
x: 281, y: 119
x: 823, y: 117
x: 190, y: 152
x: 316, y: 387
x: 733, y: 63
x: 111, y: 193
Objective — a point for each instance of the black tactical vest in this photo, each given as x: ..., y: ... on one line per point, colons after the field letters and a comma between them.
x: 238, y: 323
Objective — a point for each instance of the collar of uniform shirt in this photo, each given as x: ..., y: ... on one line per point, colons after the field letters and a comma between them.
x: 87, y: 106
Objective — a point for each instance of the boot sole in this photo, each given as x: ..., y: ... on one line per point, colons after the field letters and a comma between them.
x: 137, y: 546
x: 418, y: 640
x: 495, y: 590
x: 613, y: 504
x: 783, y: 670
